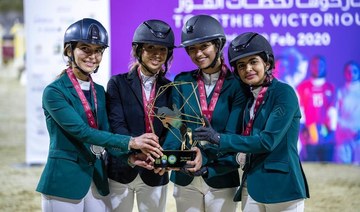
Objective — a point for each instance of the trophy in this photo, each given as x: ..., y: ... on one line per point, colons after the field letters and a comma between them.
x: 176, y: 122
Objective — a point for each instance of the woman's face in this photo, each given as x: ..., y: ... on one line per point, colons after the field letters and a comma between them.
x: 202, y: 54
x: 153, y: 56
x: 88, y: 56
x: 252, y: 70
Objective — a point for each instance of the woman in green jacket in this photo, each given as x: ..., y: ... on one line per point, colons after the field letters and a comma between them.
x: 273, y: 178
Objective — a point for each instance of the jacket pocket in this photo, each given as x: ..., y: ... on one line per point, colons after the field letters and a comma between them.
x: 276, y: 166
x: 62, y: 154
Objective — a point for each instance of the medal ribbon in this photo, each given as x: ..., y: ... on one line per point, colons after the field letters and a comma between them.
x: 85, y: 103
x: 241, y: 157
x: 258, y: 102
x: 147, y: 103
x: 206, y: 109
x: 96, y: 150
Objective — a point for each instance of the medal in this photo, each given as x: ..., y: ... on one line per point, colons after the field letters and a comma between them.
x: 97, y: 150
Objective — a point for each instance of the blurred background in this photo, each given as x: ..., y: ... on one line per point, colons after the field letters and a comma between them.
x: 316, y: 50
x: 12, y: 35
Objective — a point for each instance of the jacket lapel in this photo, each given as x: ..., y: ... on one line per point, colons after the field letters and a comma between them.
x: 68, y: 84
x: 135, y: 84
x: 228, y: 77
x: 267, y: 94
x: 85, y: 147
x: 161, y: 81
x: 249, y: 104
x: 193, y: 100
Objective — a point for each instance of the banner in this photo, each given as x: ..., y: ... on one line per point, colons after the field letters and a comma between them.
x: 298, y: 30
x: 45, y: 23
x: 304, y: 27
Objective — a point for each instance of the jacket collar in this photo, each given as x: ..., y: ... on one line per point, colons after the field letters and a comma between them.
x: 271, y: 88
x: 228, y: 77
x: 68, y: 84
x: 135, y: 84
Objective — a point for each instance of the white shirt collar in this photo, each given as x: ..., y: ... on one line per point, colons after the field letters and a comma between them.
x: 85, y: 85
x: 256, y: 91
x: 210, y: 79
x: 147, y: 81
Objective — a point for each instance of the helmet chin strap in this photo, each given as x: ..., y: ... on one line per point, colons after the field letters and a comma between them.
x: 213, y: 63
x: 147, y: 68
x: 138, y: 57
x: 72, y: 59
x: 266, y: 82
x: 81, y: 70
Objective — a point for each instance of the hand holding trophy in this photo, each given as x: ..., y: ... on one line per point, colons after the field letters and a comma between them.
x: 147, y: 143
x: 206, y: 134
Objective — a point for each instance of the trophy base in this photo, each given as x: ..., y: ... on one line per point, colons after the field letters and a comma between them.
x: 174, y: 158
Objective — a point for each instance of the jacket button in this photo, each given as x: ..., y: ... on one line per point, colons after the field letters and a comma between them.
x: 91, y: 163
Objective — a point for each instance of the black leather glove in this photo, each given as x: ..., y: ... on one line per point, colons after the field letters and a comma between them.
x: 201, y: 172
x: 206, y: 133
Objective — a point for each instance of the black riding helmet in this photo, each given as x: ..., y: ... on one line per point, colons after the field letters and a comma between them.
x: 155, y: 32
x: 247, y: 44
x: 203, y: 28
x: 88, y: 31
